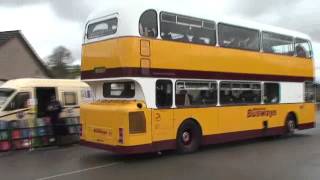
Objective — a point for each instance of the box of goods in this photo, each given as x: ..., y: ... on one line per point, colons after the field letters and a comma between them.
x: 4, y: 125
x: 40, y: 122
x: 74, y: 130
x: 47, y: 121
x: 21, y: 144
x: 26, y: 133
x: 14, y: 124
x: 31, y: 123
x: 4, y: 135
x: 16, y: 134
x: 5, y: 146
x: 36, y: 142
x: 23, y: 124
x: 41, y: 131
x: 33, y: 132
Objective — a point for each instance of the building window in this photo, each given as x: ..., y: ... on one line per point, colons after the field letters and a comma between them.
x: 238, y: 37
x: 240, y: 93
x: 303, y: 48
x: 102, y: 28
x: 119, y: 90
x: 271, y: 93
x: 164, y: 93
x: 196, y: 93
x: 70, y: 98
x: 277, y: 44
x: 20, y: 101
x: 148, y: 24
x: 187, y: 29
x: 309, y: 92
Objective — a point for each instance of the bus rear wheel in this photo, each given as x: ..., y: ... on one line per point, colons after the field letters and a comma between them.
x: 188, y: 137
x: 290, y: 126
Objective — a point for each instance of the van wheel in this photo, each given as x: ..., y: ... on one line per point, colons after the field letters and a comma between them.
x: 290, y: 126
x: 188, y: 137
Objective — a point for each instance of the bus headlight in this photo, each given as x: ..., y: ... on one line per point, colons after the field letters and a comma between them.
x: 137, y: 122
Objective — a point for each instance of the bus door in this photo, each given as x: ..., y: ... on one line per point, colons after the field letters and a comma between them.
x: 162, y: 118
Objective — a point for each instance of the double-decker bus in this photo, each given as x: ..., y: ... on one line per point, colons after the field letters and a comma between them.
x: 173, y: 79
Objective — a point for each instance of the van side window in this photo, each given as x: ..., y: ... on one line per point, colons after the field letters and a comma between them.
x: 164, y: 93
x: 70, y: 98
x: 20, y: 101
x: 271, y: 93
x: 148, y: 24
x: 303, y: 48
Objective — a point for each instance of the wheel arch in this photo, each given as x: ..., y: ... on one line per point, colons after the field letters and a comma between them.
x: 190, y: 119
x: 294, y: 116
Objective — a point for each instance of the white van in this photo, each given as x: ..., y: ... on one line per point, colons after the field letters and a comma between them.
x: 29, y: 98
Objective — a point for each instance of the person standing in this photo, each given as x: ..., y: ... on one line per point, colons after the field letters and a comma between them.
x: 54, y: 109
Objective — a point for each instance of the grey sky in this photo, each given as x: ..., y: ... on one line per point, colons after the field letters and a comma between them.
x: 49, y: 23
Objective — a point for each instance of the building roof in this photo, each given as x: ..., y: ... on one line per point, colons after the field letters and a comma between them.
x: 6, y: 36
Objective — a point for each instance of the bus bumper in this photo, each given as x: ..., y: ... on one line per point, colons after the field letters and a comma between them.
x: 139, y: 149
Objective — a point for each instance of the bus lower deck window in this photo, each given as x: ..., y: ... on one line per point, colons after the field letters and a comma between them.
x: 164, y: 93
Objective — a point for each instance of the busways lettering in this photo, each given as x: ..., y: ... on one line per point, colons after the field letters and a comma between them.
x: 261, y: 112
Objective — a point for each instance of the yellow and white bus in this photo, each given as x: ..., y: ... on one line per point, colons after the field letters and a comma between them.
x: 173, y: 79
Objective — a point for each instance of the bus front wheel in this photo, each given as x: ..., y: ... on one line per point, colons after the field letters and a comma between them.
x: 189, y: 137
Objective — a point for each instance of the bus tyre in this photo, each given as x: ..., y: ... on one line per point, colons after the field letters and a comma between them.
x: 188, y: 137
x: 290, y: 126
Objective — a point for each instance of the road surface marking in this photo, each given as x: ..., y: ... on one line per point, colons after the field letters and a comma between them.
x: 78, y: 171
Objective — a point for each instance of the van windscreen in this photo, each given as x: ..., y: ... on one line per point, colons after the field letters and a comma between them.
x: 4, y: 95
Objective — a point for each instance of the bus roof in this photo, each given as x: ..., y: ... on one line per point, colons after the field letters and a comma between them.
x: 134, y: 11
x: 30, y: 82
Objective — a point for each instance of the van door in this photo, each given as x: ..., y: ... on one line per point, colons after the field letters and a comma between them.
x: 162, y: 118
x: 43, y: 96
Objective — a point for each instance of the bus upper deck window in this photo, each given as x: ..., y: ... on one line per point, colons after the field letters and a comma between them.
x: 303, y: 48
x: 102, y: 28
x: 148, y: 24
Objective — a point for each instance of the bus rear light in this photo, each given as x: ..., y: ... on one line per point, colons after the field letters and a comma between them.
x: 137, y: 122
x: 121, y: 135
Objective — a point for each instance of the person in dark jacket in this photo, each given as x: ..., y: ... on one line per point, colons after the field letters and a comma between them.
x: 54, y: 109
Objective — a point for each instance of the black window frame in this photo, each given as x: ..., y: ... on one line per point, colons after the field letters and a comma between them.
x: 171, y: 104
x: 264, y: 89
x: 157, y: 28
x: 203, y: 21
x: 269, y: 32
x: 197, y: 105
x: 119, y: 97
x: 98, y: 22
x: 310, y: 46
x: 246, y: 28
